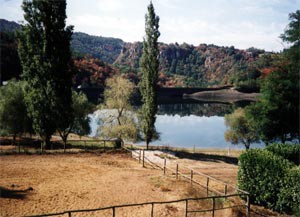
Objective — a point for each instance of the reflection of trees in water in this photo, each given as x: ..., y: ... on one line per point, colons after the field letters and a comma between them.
x: 199, y: 109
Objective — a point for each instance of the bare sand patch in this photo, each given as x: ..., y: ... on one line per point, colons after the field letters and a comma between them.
x: 37, y: 184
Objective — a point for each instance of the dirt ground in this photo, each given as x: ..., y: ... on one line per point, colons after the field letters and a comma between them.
x: 35, y: 184
x: 38, y: 184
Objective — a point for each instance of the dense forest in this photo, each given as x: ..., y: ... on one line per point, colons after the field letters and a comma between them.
x: 180, y: 65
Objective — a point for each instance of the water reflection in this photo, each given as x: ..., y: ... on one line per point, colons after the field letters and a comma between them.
x: 192, y: 123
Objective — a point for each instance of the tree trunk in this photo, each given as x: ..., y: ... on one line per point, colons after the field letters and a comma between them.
x: 14, y: 139
x: 47, y: 142
x: 65, y: 143
x: 247, y: 145
x: 147, y: 144
x: 118, y: 143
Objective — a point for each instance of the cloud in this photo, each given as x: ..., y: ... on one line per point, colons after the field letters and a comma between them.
x: 240, y: 23
x: 109, y: 26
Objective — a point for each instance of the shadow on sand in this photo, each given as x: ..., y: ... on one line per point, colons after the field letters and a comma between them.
x: 207, y: 157
x: 14, y: 194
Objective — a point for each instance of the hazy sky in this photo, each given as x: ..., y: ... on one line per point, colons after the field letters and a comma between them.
x: 241, y: 23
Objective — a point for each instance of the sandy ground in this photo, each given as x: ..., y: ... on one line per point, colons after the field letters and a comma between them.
x: 38, y: 184
x: 34, y: 184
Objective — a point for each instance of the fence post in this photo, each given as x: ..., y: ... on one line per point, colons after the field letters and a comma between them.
x: 140, y: 156
x: 225, y: 189
x: 186, y: 208
x: 165, y: 162
x: 143, y: 158
x: 192, y: 174
x: 248, y: 206
x: 113, y: 212
x: 207, y: 183
x: 152, y: 209
x: 69, y: 214
x: 213, y: 208
x: 176, y: 171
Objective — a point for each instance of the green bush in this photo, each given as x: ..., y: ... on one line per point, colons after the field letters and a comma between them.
x: 289, y: 196
x: 262, y: 173
x: 290, y: 152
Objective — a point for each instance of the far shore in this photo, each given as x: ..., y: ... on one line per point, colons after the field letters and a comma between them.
x: 225, y: 95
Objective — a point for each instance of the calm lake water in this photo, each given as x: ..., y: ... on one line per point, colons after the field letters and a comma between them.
x: 190, y: 123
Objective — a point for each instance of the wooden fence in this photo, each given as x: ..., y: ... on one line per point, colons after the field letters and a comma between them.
x: 152, y: 207
x: 213, y: 195
x: 190, y: 175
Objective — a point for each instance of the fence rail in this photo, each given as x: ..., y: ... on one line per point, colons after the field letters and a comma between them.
x: 140, y: 156
x: 186, y: 200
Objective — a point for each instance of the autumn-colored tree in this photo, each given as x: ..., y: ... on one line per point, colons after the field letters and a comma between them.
x: 118, y: 120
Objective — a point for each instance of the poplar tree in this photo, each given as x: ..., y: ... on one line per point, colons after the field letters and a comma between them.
x: 149, y: 67
x: 44, y: 50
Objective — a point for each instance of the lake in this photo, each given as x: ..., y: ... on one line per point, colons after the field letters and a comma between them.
x: 188, y: 123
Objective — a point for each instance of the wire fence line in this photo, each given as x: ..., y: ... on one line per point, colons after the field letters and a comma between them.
x: 213, y: 195
x: 190, y: 174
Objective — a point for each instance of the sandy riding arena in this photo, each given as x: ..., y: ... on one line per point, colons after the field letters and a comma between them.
x: 38, y: 184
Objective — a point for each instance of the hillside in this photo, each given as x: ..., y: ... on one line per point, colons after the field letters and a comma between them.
x: 180, y: 65
x: 106, y: 49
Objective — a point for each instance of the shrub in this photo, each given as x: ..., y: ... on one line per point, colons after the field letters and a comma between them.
x: 261, y: 173
x: 289, y: 196
x: 290, y: 152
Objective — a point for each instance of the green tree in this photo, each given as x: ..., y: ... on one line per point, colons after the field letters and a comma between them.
x: 13, y: 114
x: 276, y: 115
x: 149, y: 66
x: 118, y: 120
x: 292, y: 33
x: 44, y: 51
x: 240, y: 129
x: 80, y: 124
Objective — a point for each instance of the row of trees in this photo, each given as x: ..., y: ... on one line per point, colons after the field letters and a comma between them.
x: 121, y: 121
x: 276, y: 114
x: 43, y: 103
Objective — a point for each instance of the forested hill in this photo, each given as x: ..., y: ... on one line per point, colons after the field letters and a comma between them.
x: 180, y: 65
x: 8, y: 26
x: 106, y: 49
x: 186, y: 65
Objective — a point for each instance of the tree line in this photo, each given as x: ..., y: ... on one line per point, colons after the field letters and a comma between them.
x: 275, y: 116
x: 43, y: 103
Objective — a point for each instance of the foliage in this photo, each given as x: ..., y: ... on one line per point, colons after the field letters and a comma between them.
x: 91, y: 72
x: 44, y: 51
x: 10, y: 62
x: 106, y: 49
x: 290, y: 152
x: 261, y: 173
x: 149, y: 66
x: 292, y: 33
x: 183, y: 65
x: 13, y: 114
x: 276, y: 115
x: 81, y: 107
x: 240, y: 129
x: 289, y: 196
x: 119, y: 120
x: 246, y: 78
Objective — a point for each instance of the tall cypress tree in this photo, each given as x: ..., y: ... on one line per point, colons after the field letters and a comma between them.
x: 44, y: 50
x: 149, y: 66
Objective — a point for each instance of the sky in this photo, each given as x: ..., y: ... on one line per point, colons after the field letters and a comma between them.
x: 238, y: 23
